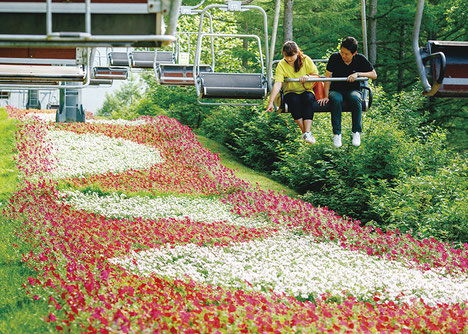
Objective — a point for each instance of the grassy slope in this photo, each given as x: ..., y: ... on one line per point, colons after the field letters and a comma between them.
x: 18, y: 314
x: 242, y: 172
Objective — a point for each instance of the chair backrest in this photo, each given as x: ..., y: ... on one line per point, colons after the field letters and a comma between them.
x: 455, y: 73
x: 110, y: 73
x: 178, y: 75
x: 145, y: 59
x: 233, y: 85
x: 119, y: 59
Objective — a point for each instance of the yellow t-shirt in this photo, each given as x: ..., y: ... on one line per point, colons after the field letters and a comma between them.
x: 284, y: 70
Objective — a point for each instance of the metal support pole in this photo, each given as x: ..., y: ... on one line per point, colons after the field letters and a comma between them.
x: 364, y: 27
x: 88, y: 16
x: 272, y: 45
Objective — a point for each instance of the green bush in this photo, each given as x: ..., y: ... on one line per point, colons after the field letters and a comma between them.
x: 345, y: 179
x: 431, y: 205
x: 259, y: 140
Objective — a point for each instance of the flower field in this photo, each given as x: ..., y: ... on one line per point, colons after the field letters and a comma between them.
x: 137, y: 228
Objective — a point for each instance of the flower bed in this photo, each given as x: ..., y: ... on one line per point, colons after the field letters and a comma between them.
x: 172, y: 241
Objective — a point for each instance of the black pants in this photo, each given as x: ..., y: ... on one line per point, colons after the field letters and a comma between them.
x: 300, y: 105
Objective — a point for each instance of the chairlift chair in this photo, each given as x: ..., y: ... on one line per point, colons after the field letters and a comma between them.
x: 43, y: 67
x: 227, y: 86
x: 366, y: 100
x: 442, y: 65
x: 181, y: 74
x: 103, y: 23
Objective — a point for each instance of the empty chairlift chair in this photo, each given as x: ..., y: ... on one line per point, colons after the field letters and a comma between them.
x: 447, y: 66
x: 228, y: 86
x: 43, y: 67
x: 232, y: 85
x: 86, y: 23
x: 181, y: 74
x: 442, y: 65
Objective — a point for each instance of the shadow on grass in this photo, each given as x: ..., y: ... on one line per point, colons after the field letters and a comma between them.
x: 243, y: 172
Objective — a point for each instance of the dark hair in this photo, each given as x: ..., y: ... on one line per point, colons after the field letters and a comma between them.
x: 350, y: 43
x: 290, y: 48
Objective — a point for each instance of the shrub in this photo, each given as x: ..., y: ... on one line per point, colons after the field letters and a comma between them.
x: 431, y: 205
x: 258, y: 141
x: 341, y: 179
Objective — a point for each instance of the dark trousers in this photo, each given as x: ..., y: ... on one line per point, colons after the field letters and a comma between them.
x: 353, y: 100
x: 300, y: 105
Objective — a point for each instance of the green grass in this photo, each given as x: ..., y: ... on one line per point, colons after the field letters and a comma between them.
x: 19, y: 313
x: 7, y: 165
x: 242, y: 172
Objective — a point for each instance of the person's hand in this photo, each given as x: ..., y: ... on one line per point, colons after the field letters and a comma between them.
x: 352, y: 77
x: 303, y: 79
x: 269, y: 107
x: 323, y: 101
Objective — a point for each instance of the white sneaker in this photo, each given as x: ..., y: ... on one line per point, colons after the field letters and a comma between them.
x: 337, y: 140
x: 308, y: 138
x: 356, y: 138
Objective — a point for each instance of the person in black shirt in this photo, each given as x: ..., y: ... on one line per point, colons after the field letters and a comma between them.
x: 350, y: 64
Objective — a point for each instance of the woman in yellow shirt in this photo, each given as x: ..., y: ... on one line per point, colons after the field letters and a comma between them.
x: 298, y: 95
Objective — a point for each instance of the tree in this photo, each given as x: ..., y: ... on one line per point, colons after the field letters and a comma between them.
x: 288, y: 21
x: 373, y: 31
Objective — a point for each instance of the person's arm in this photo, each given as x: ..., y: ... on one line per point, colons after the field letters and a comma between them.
x: 274, y: 92
x: 371, y: 75
x: 326, y: 89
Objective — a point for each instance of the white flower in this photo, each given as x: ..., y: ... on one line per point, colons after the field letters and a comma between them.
x: 84, y: 154
x: 206, y: 210
x: 297, y: 265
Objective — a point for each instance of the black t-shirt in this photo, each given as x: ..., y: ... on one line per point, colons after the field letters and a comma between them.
x: 338, y: 68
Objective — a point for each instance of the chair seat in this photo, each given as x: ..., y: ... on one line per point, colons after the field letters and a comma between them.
x: 233, y: 85
x: 326, y: 108
x: 100, y: 82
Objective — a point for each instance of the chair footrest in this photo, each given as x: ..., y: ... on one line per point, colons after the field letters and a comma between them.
x: 41, y: 73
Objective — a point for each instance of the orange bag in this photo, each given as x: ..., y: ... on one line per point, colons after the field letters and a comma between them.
x: 319, y: 90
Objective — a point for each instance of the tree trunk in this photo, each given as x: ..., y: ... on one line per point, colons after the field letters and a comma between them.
x: 245, y: 45
x: 288, y: 21
x: 401, y: 57
x: 373, y: 31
